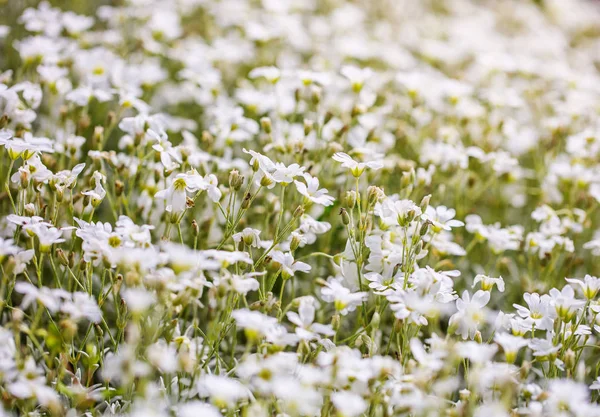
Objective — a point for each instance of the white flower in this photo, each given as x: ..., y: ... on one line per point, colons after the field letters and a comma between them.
x: 307, y: 329
x: 49, y: 298
x: 344, y: 300
x: 441, y: 218
x: 222, y: 391
x: 348, y: 404
x: 565, y: 303
x: 176, y: 194
x: 47, y: 236
x: 82, y: 306
x: 356, y: 168
x: 539, y: 310
x: 400, y: 212
x: 197, y: 408
x: 138, y: 300
x: 487, y: 283
x: 312, y: 192
x: 590, y: 285
x: 596, y: 384
x: 271, y: 74
x: 288, y: 265
x: 543, y: 348
x: 255, y: 324
x: 470, y: 314
x: 98, y: 193
x: 510, y: 344
x: 478, y: 353
x: 162, y: 356
x: 243, y: 284
x: 356, y: 76
x: 249, y: 236
x: 22, y: 259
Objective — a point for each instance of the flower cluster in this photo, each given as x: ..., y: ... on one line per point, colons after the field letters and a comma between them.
x: 300, y: 208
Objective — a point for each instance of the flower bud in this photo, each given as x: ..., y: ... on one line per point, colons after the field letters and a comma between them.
x: 358, y: 110
x: 375, y: 320
x: 246, y: 201
x: 345, y: 216
x: 295, y: 242
x: 425, y: 203
x: 316, y: 95
x: 29, y: 209
x: 9, y: 269
x: 84, y: 122
x: 336, y: 322
x: 299, y: 211
x: 405, y: 180
x: 119, y: 187
x: 374, y: 195
x: 569, y: 359
x: 308, y: 126
x: 207, y: 138
x: 68, y: 328
x: 98, y: 137
x: 265, y: 123
x: 111, y: 118
x: 350, y: 199
x: 265, y: 181
x: 24, y: 179
x: 424, y: 229
x: 235, y: 179
x: 62, y: 258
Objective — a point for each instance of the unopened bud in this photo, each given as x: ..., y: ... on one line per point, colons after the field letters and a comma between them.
x: 375, y: 320
x: 358, y: 110
x: 424, y: 229
x: 425, y: 203
x: 235, y: 179
x: 345, y: 216
x: 111, y: 118
x: 84, y: 122
x: 405, y: 180
x: 62, y: 258
x: 98, y: 136
x: 374, y: 194
x: 316, y: 96
x: 195, y: 228
x: 570, y: 359
x: 265, y: 123
x: 119, y: 187
x: 299, y: 211
x: 207, y: 138
x: 246, y: 201
x: 68, y: 328
x: 350, y: 199
x: 295, y: 242
x: 24, y: 179
x: 29, y: 209
x: 336, y: 322
x: 308, y: 126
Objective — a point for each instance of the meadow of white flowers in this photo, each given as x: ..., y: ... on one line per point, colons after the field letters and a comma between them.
x: 332, y: 208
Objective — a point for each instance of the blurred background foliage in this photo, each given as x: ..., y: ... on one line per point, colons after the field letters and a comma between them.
x: 10, y: 10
